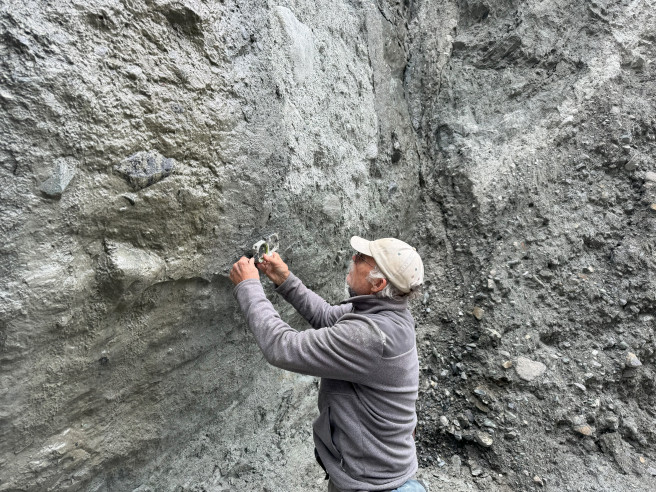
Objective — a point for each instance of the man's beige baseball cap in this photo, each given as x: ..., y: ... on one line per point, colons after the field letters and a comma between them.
x: 399, y: 261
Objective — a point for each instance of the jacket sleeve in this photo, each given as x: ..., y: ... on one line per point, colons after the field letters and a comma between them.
x: 349, y: 350
x: 309, y: 304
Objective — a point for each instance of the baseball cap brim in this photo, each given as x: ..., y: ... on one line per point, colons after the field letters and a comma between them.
x: 361, y: 245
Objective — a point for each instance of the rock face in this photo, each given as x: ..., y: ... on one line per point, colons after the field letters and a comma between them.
x: 175, y: 134
x: 145, y: 146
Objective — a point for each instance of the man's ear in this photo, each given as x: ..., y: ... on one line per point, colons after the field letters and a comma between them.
x: 378, y: 285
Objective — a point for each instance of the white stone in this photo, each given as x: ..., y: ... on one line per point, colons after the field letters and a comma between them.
x: 528, y: 369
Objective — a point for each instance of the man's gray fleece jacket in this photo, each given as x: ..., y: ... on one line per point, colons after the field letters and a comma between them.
x: 364, y: 352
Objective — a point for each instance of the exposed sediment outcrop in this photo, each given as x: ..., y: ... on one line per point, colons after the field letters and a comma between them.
x: 145, y: 146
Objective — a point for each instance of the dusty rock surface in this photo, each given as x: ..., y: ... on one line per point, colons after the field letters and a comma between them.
x: 145, y: 146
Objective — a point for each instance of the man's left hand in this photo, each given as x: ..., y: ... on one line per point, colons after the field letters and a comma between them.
x: 244, y: 269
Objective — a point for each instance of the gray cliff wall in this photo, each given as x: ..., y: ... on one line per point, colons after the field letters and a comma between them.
x: 537, y: 148
x: 145, y: 146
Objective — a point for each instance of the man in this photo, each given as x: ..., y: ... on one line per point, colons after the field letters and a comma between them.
x: 364, y: 352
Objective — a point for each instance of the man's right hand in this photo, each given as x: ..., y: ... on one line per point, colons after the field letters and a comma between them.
x: 274, y: 268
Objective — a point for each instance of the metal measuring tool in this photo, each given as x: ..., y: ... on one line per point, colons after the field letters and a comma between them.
x: 265, y: 247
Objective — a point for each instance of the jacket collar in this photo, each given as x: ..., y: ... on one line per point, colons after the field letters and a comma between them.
x: 371, y: 304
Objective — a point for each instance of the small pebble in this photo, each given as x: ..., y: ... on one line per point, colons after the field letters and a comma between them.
x: 583, y: 429
x: 632, y: 360
x: 507, y: 364
x: 528, y: 369
x: 632, y: 165
x: 484, y: 439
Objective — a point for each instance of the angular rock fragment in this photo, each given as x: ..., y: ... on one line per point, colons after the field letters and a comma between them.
x: 650, y: 176
x: 528, y: 369
x: 477, y: 312
x: 62, y: 175
x: 512, y: 435
x: 631, y: 360
x: 632, y: 165
x: 144, y: 169
x: 608, y: 422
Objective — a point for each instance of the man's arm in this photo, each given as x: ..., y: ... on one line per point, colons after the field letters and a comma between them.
x: 350, y: 350
x: 309, y: 304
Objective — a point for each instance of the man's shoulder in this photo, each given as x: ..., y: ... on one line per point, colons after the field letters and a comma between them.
x: 359, y: 328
